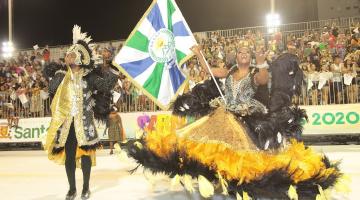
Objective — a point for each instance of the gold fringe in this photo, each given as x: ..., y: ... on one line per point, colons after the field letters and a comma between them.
x: 61, y: 157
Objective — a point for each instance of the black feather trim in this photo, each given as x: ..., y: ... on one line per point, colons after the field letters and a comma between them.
x: 172, y: 165
x: 102, y: 106
x: 57, y: 150
x: 286, y: 74
x: 51, y: 68
x: 91, y: 65
x: 275, y: 184
x: 101, y: 84
x: 287, y: 121
x: 196, y: 102
x: 324, y: 183
x: 91, y: 147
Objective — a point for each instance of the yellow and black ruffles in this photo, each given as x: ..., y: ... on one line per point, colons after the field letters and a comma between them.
x: 237, y: 169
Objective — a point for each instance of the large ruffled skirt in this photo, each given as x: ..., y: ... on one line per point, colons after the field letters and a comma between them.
x: 218, y: 151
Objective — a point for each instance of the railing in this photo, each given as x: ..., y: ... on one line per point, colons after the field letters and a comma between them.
x: 292, y: 27
x: 11, y: 106
x: 135, y: 102
x: 331, y: 93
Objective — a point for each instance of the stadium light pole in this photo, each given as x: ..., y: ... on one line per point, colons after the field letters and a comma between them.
x: 8, y: 47
x: 272, y: 6
x: 272, y: 19
x: 10, y: 20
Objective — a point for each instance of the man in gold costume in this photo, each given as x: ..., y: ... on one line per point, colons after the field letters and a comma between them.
x: 81, y: 93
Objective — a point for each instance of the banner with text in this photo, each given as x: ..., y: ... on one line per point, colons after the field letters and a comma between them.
x: 31, y: 130
x: 330, y: 119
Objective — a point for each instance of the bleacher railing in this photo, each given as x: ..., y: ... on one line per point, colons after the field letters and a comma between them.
x: 11, y: 105
x: 330, y: 93
x: 291, y: 27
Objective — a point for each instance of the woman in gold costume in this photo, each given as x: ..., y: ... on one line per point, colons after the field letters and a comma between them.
x: 247, y: 143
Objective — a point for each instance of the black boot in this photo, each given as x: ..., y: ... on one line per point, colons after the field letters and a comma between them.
x: 71, y: 195
x: 85, y: 194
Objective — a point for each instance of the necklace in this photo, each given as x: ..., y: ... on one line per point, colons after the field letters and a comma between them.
x: 236, y: 85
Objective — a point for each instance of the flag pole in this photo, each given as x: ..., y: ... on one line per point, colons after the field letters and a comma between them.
x: 212, y: 75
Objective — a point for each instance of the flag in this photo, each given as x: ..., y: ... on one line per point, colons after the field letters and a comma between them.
x: 152, y: 55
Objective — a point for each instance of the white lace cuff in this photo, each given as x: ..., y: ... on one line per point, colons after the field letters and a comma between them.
x: 262, y: 66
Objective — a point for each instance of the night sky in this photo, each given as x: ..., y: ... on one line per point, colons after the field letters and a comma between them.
x: 50, y: 21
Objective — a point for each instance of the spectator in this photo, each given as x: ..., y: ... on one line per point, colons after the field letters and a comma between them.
x: 46, y: 54
x: 116, y: 130
x: 337, y: 68
x: 202, y: 76
x: 36, y: 102
x: 189, y: 67
x: 304, y: 89
x: 350, y: 69
x: 315, y: 58
x: 192, y: 79
x: 324, y: 82
x: 313, y: 77
x: 341, y: 46
x: 127, y: 94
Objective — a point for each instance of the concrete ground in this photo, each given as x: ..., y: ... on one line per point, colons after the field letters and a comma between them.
x: 28, y: 175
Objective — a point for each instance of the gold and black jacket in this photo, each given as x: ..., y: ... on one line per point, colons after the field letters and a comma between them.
x: 78, y: 98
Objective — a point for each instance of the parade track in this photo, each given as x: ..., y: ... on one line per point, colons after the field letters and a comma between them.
x: 29, y: 175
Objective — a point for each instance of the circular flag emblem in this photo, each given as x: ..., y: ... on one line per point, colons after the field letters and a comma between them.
x: 162, y: 46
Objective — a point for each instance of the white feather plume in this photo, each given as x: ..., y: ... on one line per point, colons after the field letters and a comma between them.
x: 78, y: 35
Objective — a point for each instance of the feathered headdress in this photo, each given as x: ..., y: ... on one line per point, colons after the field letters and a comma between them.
x: 86, y: 55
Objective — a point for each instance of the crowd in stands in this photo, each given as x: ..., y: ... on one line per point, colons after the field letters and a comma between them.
x: 22, y: 86
x: 329, y: 59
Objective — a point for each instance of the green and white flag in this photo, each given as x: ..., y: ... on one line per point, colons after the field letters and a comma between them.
x: 152, y: 55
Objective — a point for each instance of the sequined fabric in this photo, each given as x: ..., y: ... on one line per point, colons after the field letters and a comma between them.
x: 220, y: 127
x: 81, y: 104
x: 72, y: 102
x: 239, y: 96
